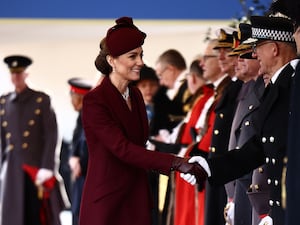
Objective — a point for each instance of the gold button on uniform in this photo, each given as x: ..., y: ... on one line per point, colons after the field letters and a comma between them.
x: 4, y: 124
x: 25, y: 145
x: 8, y: 135
x: 216, y: 132
x: 37, y: 111
x: 26, y: 133
x: 39, y: 99
x: 31, y: 122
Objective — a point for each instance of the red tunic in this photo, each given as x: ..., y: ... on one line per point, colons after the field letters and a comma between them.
x: 189, y: 202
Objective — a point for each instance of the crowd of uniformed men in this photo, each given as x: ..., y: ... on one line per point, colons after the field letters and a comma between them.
x: 235, y: 111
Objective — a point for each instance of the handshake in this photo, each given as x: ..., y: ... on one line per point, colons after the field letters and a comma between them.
x: 193, y: 170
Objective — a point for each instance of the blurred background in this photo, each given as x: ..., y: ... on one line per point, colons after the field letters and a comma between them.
x: 62, y: 37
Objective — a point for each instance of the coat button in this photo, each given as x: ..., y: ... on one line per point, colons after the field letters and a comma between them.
x: 2, y: 112
x: 247, y: 123
x: 273, y: 161
x: 260, y: 170
x: 4, y: 124
x: 2, y: 101
x: 271, y: 203
x: 276, y: 182
x: 272, y: 139
x: 250, y: 107
x: 213, y: 149
x: 25, y: 145
x: 31, y: 122
x: 39, y: 99
x: 10, y: 147
x: 8, y: 135
x: 264, y: 140
x: 277, y: 203
x: 269, y: 181
x: 221, y: 115
x: 216, y: 132
x: 267, y: 160
x: 26, y: 133
x: 37, y: 112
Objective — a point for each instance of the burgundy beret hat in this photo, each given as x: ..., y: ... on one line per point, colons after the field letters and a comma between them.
x: 124, y: 37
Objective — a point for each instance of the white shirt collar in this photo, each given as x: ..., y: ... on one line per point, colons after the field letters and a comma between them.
x: 217, y: 82
x: 171, y: 92
x: 293, y: 64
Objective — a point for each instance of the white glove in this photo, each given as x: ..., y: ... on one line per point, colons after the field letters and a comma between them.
x: 229, y: 213
x: 267, y: 220
x: 42, y: 176
x: 191, y: 179
x: 202, y: 162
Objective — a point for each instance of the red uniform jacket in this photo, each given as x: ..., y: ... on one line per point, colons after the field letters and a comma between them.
x: 189, y: 201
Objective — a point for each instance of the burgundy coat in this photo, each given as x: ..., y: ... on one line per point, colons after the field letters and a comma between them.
x: 116, y: 191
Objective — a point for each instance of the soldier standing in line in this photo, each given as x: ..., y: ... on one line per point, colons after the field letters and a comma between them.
x: 28, y: 141
x: 79, y: 152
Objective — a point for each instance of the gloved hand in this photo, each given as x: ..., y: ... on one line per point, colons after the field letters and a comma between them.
x: 191, y: 179
x: 202, y: 162
x: 43, y: 175
x: 182, y: 165
x: 229, y: 213
x: 267, y: 220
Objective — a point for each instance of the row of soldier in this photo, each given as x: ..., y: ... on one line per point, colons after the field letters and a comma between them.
x: 242, y: 142
x: 244, y: 108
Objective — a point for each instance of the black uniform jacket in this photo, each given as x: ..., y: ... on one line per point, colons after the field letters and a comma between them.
x: 268, y: 146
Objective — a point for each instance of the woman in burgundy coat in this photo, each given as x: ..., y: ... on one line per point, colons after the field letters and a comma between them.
x: 116, y: 191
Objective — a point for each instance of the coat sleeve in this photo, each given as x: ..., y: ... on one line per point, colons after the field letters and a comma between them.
x: 49, y: 135
x: 236, y: 163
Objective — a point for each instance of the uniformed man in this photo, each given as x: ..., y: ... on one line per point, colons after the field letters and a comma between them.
x: 28, y: 140
x: 224, y: 108
x: 79, y: 152
x: 169, y: 104
x: 247, y: 70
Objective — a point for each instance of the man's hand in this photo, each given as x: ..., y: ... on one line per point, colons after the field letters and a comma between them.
x: 184, y: 166
x: 74, y: 163
x: 229, y: 213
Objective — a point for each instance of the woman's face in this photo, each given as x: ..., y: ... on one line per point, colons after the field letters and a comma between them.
x: 128, y: 65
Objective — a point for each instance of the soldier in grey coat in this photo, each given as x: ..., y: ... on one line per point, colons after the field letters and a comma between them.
x: 239, y: 210
x: 28, y: 143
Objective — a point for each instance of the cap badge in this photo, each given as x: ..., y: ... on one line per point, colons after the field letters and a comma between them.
x: 14, y: 63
